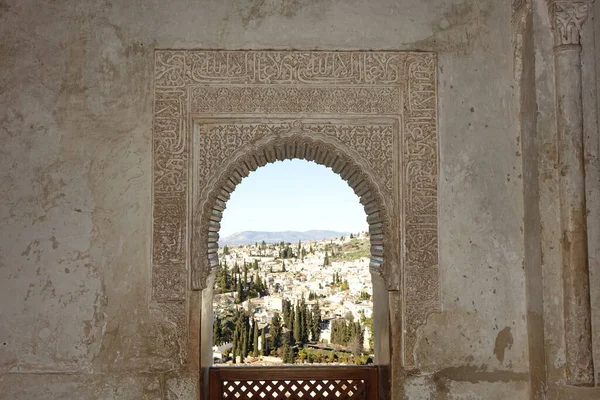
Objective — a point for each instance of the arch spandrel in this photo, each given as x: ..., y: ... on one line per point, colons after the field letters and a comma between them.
x: 292, y: 141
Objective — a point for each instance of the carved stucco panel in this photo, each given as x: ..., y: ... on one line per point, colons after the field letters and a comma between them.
x: 568, y: 17
x: 219, y: 141
x: 301, y: 85
x: 180, y: 68
x: 294, y: 99
x: 420, y: 168
x: 314, y: 141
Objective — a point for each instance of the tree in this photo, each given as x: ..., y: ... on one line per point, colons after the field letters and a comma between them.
x: 298, y: 325
x: 235, y: 345
x: 244, y: 347
x: 276, y: 331
x: 345, y: 285
x: 217, y: 332
x: 349, y: 316
x: 263, y: 341
x: 287, y: 313
x: 263, y: 247
x: 326, y: 260
x: 306, y: 322
x: 254, y: 338
x: 355, y: 345
x: 225, y: 250
x: 240, y: 292
x: 287, y: 354
x: 316, y: 322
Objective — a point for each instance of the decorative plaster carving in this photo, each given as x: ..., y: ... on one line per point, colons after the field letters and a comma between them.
x: 169, y: 283
x: 319, y: 142
x: 176, y: 69
x: 567, y: 20
x: 293, y: 99
x: 343, y: 103
x: 521, y: 11
x: 219, y: 141
x: 175, y: 313
x: 420, y: 169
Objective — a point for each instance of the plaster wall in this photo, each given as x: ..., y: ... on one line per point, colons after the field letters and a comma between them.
x: 76, y: 320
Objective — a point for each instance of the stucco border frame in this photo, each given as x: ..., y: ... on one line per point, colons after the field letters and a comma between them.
x: 414, y: 271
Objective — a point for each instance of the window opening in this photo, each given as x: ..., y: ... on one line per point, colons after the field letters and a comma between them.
x: 293, y: 284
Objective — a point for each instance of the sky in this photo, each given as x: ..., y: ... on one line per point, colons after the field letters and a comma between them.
x: 293, y: 195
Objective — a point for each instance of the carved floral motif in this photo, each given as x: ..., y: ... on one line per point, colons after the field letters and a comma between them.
x: 567, y: 20
x: 218, y: 141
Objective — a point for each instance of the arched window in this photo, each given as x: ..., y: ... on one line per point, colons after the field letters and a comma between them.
x: 293, y: 283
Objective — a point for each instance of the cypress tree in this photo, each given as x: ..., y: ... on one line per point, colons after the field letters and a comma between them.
x: 287, y: 354
x: 298, y: 325
x: 244, y: 351
x: 306, y: 322
x: 240, y: 292
x: 286, y: 313
x: 235, y: 344
x: 217, y: 332
x: 316, y: 322
x: 255, y: 339
x: 276, y: 331
x: 263, y: 342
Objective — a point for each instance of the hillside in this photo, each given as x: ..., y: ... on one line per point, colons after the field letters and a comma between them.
x: 251, y: 237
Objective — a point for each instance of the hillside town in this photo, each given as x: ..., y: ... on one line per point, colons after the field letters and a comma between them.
x: 294, y: 303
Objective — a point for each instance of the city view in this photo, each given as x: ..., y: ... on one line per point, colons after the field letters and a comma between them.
x: 294, y: 303
x: 286, y: 290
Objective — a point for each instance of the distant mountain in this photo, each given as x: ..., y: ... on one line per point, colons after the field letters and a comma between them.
x: 251, y: 237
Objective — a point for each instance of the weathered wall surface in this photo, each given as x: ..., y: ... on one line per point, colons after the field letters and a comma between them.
x: 76, y: 319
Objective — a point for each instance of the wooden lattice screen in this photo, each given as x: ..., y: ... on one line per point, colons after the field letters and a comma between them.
x: 287, y: 383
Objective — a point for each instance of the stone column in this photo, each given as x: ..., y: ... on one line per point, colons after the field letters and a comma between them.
x: 567, y: 20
